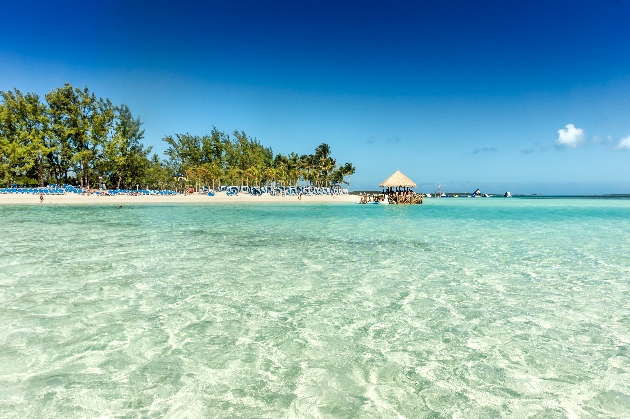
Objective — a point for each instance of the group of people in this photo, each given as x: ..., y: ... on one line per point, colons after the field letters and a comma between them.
x: 392, y: 197
x: 401, y: 194
x: 404, y: 197
x: 365, y: 198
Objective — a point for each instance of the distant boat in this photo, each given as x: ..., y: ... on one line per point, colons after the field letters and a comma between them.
x: 507, y: 195
x: 479, y: 194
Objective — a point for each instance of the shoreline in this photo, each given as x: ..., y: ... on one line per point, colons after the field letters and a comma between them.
x: 219, y: 198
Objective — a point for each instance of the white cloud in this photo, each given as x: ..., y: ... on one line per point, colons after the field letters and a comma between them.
x: 624, y: 144
x: 570, y: 137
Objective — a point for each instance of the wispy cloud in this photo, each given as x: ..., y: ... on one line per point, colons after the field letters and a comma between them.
x: 393, y: 140
x: 528, y: 151
x: 570, y: 137
x: 609, y: 142
x: 599, y: 139
x: 624, y: 144
x: 371, y: 140
x: 485, y: 150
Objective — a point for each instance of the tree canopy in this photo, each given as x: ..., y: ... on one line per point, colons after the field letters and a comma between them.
x: 73, y: 136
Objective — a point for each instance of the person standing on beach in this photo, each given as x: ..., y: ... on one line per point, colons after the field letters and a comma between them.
x: 41, y: 197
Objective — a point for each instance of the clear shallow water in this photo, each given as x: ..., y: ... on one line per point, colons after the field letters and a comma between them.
x: 456, y: 308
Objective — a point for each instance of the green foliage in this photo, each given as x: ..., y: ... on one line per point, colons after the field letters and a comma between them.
x: 83, y: 123
x: 76, y: 137
x: 23, y: 128
x: 218, y: 158
x: 126, y: 159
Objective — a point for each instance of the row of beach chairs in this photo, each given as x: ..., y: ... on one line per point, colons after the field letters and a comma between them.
x: 229, y: 190
x: 65, y: 189
x: 277, y: 191
x: 137, y: 192
x: 48, y: 190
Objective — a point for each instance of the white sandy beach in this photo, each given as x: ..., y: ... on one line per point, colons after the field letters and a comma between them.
x: 23, y: 199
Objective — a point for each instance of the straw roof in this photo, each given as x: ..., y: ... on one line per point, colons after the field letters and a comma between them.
x: 398, y: 179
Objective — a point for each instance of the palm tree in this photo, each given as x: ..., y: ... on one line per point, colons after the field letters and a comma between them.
x: 213, y: 172
x: 192, y: 173
x: 281, y: 175
x: 327, y: 166
x: 348, y: 170
x: 251, y: 173
x: 323, y: 151
x: 337, y: 175
x: 310, y: 175
x: 269, y: 175
x: 234, y: 173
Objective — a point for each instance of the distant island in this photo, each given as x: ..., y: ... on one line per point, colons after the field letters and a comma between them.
x: 75, y: 138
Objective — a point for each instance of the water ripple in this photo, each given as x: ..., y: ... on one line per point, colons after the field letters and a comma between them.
x: 457, y: 309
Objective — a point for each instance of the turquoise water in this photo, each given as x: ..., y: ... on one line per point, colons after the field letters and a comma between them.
x: 456, y: 308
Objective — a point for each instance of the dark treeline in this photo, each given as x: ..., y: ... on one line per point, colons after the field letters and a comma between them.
x: 73, y: 137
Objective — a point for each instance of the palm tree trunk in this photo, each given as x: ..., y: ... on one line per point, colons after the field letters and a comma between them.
x: 40, y: 167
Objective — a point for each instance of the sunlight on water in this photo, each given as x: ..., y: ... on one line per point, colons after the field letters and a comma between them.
x: 467, y: 308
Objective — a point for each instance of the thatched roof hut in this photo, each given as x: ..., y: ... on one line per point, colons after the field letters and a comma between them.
x: 398, y: 180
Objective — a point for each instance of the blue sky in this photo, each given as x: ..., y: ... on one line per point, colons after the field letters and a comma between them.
x: 527, y: 96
